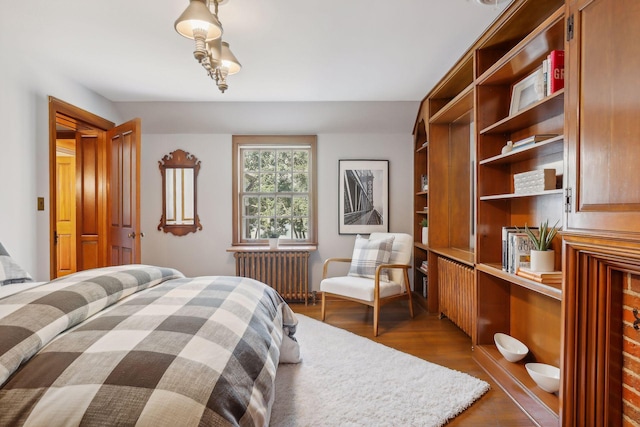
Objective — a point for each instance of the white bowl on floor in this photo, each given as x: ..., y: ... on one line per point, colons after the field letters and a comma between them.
x: 512, y: 349
x: 546, y: 376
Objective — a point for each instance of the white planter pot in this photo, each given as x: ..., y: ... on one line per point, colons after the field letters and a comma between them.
x: 425, y: 235
x: 543, y: 260
x: 273, y: 242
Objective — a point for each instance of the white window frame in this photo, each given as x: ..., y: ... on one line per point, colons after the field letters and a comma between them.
x: 241, y: 142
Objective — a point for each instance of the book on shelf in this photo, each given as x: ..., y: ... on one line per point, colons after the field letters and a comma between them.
x: 556, y: 71
x: 545, y: 75
x: 505, y: 246
x: 424, y: 182
x: 546, y: 277
x: 506, y: 249
x: 533, y: 139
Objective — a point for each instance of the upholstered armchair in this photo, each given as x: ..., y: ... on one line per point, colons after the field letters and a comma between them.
x: 378, y: 274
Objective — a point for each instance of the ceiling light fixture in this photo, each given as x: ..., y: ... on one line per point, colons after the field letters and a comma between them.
x: 198, y: 22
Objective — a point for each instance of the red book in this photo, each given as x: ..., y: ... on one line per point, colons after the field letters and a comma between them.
x: 556, y: 70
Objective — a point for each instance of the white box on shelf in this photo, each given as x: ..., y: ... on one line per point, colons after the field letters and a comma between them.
x: 534, y: 181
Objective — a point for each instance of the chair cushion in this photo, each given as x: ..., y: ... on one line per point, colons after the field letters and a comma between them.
x: 358, y: 287
x: 10, y: 271
x: 400, y: 254
x: 369, y: 254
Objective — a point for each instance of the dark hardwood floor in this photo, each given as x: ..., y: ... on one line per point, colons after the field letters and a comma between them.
x: 429, y: 338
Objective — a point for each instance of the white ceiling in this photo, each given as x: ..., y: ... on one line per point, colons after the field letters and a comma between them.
x: 291, y: 50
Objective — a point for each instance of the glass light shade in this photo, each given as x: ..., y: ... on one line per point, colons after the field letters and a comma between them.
x: 229, y: 60
x: 198, y: 16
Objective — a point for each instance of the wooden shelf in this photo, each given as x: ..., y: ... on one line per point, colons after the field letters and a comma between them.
x: 527, y: 55
x: 455, y: 82
x: 548, y: 290
x: 456, y: 108
x: 541, y: 406
x: 421, y: 245
x: 422, y: 193
x: 424, y: 212
x: 464, y: 256
x: 551, y: 106
x: 544, y: 148
x: 516, y: 196
x: 423, y: 148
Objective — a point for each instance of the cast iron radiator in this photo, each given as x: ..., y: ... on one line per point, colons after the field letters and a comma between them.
x: 285, y: 271
x: 456, y: 293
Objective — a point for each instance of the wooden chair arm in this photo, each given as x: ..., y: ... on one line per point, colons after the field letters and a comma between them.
x: 381, y: 266
x: 325, y: 266
x: 388, y: 266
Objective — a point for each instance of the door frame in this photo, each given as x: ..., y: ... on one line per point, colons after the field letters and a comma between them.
x: 84, y: 118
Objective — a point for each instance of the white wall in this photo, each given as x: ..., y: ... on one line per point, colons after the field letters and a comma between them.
x: 24, y: 154
x: 345, y: 131
x: 204, y: 252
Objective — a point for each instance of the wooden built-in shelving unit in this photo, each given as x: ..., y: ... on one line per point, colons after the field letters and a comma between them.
x: 471, y: 196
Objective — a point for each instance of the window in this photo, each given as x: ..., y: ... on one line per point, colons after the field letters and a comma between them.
x: 274, y: 189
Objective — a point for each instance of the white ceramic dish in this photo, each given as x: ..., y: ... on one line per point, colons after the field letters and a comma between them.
x: 512, y: 349
x: 546, y: 376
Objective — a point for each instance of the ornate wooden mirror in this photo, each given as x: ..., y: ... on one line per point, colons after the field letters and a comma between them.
x: 179, y: 171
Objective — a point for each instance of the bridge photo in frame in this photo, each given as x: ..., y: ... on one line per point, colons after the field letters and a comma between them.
x: 363, y: 196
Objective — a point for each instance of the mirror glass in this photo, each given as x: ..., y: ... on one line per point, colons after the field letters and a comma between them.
x: 179, y: 171
x: 179, y: 196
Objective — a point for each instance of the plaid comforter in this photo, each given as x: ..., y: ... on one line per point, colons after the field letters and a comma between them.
x: 189, y: 351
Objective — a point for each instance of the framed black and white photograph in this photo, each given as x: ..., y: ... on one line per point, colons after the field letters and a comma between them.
x: 527, y: 91
x: 363, y: 196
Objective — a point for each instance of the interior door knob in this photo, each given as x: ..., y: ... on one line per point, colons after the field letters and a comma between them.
x: 141, y: 234
x: 132, y: 235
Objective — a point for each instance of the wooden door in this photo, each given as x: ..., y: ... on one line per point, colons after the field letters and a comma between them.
x: 66, y: 214
x: 602, y: 122
x: 91, y: 199
x: 123, y: 150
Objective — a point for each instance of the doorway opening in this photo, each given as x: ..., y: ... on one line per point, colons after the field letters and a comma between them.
x: 94, y: 190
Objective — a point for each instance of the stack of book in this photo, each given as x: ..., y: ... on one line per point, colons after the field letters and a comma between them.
x: 553, y: 71
x: 424, y: 266
x: 516, y: 248
x: 532, y: 140
x: 425, y: 280
x: 546, y: 277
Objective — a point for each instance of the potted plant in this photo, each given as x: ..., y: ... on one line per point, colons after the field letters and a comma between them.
x: 274, y: 236
x: 542, y: 256
x: 425, y: 230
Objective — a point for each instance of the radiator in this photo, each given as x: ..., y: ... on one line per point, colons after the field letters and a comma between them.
x: 456, y: 293
x: 285, y: 271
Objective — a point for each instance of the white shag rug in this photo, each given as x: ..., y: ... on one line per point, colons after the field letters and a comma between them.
x: 348, y: 380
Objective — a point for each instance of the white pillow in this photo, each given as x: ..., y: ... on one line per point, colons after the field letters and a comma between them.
x: 368, y: 255
x: 10, y: 271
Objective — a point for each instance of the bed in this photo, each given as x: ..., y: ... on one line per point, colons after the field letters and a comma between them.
x: 142, y: 345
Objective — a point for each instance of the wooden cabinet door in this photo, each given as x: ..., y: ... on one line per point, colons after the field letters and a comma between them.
x: 123, y: 150
x: 603, y: 115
